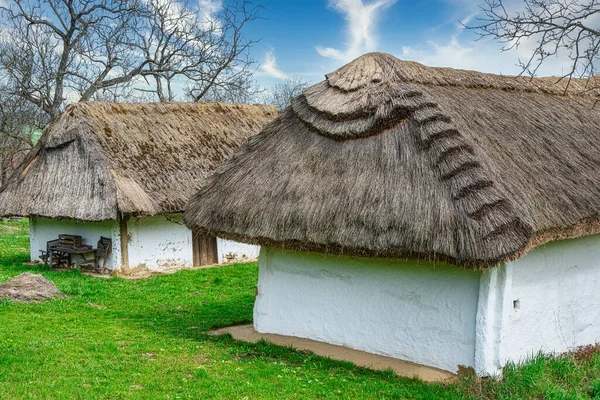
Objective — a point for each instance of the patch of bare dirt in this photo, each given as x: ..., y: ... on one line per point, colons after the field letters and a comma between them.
x: 29, y: 287
x: 141, y: 272
x: 585, y: 353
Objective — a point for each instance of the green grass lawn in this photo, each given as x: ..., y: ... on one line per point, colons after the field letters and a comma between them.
x: 116, y: 339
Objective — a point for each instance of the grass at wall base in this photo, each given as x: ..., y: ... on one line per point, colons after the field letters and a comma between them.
x: 116, y: 338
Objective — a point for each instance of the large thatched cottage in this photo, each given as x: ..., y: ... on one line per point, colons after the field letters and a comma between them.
x: 440, y: 216
x: 125, y: 172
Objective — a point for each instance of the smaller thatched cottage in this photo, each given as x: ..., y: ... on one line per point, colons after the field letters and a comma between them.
x: 439, y: 216
x: 125, y: 172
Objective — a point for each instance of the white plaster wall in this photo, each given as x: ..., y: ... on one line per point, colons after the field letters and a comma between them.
x: 156, y: 243
x: 419, y: 312
x: 235, y: 251
x: 159, y: 242
x: 42, y: 230
x: 442, y: 316
x: 556, y: 288
x: 490, y: 321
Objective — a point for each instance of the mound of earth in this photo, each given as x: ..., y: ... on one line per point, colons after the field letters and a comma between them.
x: 29, y: 287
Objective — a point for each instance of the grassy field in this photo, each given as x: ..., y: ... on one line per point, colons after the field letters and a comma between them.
x: 116, y: 339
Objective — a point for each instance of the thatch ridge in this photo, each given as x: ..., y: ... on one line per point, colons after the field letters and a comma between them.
x: 384, y: 68
x: 98, y: 159
x: 388, y: 158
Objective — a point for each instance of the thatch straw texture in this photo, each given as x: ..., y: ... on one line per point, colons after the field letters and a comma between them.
x: 387, y: 158
x: 98, y: 159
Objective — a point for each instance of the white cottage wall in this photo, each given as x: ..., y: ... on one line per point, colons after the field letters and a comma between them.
x: 159, y: 242
x: 552, y: 300
x: 236, y: 251
x: 419, y: 312
x: 155, y: 243
x: 436, y: 315
x: 43, y: 230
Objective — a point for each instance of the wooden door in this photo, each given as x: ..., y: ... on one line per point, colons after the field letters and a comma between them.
x: 204, y: 250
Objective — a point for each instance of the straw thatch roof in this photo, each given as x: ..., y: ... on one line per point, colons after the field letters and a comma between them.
x: 388, y: 158
x: 142, y: 159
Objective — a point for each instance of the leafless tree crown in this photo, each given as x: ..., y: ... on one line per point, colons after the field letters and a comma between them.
x: 281, y: 94
x: 55, y: 51
x: 555, y: 27
x: 20, y: 125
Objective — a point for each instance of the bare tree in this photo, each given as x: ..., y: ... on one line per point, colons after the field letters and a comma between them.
x: 20, y: 124
x: 50, y: 47
x: 281, y: 94
x: 73, y: 50
x: 557, y: 27
x: 239, y: 89
x: 207, y: 50
x: 222, y: 63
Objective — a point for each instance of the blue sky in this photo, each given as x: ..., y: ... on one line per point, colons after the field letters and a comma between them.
x: 312, y: 37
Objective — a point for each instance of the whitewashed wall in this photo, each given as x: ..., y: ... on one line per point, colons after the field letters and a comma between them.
x: 163, y: 242
x: 421, y: 312
x: 154, y: 243
x: 159, y: 242
x: 42, y: 230
x: 230, y: 251
x: 552, y: 299
x: 437, y: 315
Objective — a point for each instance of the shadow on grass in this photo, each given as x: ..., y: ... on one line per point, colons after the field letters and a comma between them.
x: 15, y: 261
x: 183, y: 326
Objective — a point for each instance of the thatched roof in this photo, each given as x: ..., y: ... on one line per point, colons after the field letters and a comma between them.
x: 143, y: 159
x: 388, y: 158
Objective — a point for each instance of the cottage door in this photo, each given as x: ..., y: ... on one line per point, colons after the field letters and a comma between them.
x: 204, y: 250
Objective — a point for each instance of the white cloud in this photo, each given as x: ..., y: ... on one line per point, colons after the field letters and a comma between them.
x: 462, y: 51
x: 361, y: 19
x: 484, y: 56
x: 269, y: 66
